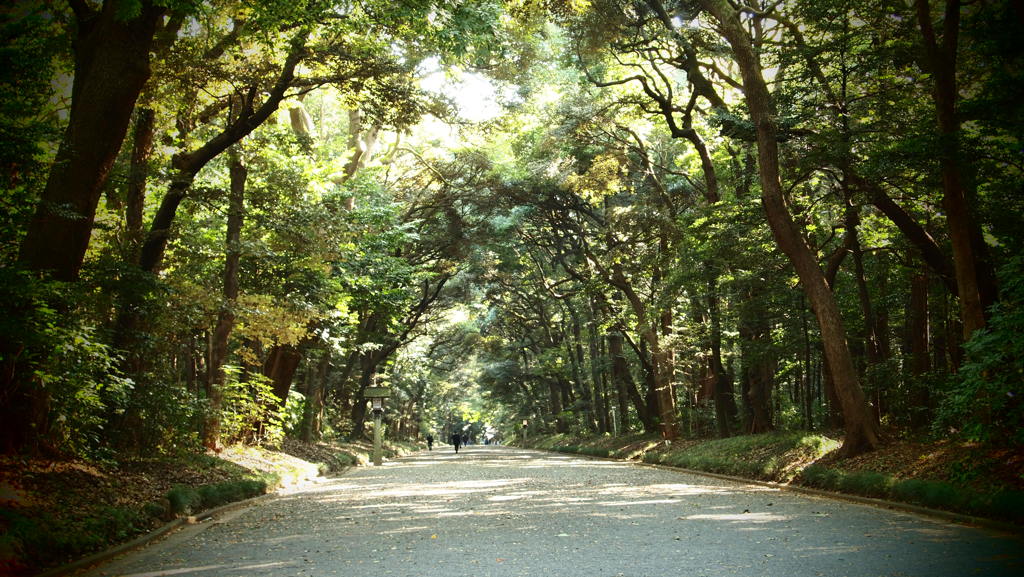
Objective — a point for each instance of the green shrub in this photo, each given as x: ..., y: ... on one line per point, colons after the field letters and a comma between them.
x: 213, y: 495
x: 822, y: 477
x: 41, y: 541
x: 937, y: 494
x: 155, y: 510
x: 48, y: 342
x: 1007, y: 505
x: 984, y: 402
x: 183, y: 500
x: 186, y: 500
x: 230, y: 492
x: 867, y: 483
x: 114, y: 524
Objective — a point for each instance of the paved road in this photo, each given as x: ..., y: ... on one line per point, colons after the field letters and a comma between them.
x: 495, y: 511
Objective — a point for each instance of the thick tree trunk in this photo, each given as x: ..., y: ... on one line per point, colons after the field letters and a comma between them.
x: 361, y: 141
x: 668, y: 423
x: 367, y: 370
x: 861, y: 432
x: 111, y: 68
x: 555, y: 404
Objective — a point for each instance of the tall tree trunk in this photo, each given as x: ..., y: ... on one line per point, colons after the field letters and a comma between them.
x: 135, y: 201
x: 135, y: 191
x: 625, y: 388
x: 725, y: 400
x: 597, y: 370
x: 917, y: 334
x: 111, y: 68
x: 975, y: 278
x: 361, y: 141
x: 280, y: 367
x: 578, y: 361
x: 660, y: 359
x: 870, y: 336
x: 226, y: 316
x: 312, y: 411
x: 861, y: 433
x: 758, y: 366
x: 806, y: 372
x: 918, y: 328
x: 368, y: 364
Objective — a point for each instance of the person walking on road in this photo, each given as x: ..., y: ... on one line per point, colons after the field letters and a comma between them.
x: 430, y: 442
x: 456, y: 440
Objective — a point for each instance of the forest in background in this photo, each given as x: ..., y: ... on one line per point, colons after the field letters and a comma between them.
x: 223, y: 220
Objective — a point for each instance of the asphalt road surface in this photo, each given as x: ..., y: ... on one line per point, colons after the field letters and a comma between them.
x: 497, y: 511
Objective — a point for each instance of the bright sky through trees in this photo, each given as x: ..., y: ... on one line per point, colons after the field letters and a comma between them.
x: 475, y: 97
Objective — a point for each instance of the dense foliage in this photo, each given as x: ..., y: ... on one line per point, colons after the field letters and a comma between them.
x: 687, y: 218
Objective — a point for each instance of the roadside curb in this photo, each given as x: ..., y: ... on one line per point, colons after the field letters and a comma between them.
x: 948, y: 516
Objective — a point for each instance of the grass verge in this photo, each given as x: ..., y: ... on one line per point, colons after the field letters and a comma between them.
x: 928, y: 478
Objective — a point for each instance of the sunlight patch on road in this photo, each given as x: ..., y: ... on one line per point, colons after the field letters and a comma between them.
x: 745, y: 517
x: 676, y: 489
x: 634, y: 503
x: 443, y: 489
x: 185, y: 570
x: 500, y: 498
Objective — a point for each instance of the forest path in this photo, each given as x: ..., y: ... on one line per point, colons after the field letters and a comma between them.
x: 498, y: 511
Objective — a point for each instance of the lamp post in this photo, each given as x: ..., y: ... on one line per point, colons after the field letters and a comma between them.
x: 377, y: 396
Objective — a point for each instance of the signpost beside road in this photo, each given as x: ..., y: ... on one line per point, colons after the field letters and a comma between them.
x: 376, y: 395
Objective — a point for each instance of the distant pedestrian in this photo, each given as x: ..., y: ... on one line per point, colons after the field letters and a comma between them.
x: 430, y: 442
x: 465, y: 439
x: 457, y: 441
